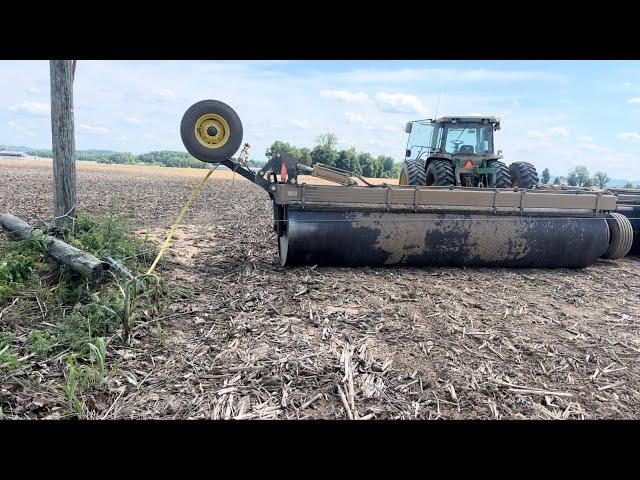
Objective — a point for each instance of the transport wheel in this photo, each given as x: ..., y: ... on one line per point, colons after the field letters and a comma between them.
x: 440, y: 173
x: 620, y: 236
x: 503, y: 177
x: 523, y: 175
x: 412, y: 173
x: 211, y: 131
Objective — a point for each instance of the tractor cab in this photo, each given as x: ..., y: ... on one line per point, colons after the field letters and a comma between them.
x: 451, y: 136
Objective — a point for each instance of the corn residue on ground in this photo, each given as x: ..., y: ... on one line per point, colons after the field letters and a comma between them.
x: 245, y: 338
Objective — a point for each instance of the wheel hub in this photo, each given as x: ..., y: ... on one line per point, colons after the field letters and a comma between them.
x: 212, y: 130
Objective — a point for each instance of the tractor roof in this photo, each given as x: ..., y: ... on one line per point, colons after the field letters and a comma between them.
x: 469, y: 119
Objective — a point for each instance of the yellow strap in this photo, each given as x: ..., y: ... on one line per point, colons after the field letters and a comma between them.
x: 172, y: 230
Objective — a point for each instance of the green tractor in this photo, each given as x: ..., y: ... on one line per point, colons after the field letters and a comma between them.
x: 459, y: 151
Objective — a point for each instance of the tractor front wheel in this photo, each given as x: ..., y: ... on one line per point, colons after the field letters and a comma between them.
x: 440, y: 174
x: 523, y: 175
x: 412, y: 173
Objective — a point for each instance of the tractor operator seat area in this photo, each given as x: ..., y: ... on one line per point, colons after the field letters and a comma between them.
x: 471, y: 138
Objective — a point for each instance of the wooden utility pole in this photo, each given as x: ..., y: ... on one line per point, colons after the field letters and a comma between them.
x: 63, y: 138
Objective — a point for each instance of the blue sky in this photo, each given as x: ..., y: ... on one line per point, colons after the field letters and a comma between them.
x: 555, y: 114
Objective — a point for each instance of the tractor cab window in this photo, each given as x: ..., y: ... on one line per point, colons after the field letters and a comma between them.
x: 420, y: 140
x: 470, y: 138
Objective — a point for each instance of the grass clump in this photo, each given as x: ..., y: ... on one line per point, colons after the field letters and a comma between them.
x: 52, y: 312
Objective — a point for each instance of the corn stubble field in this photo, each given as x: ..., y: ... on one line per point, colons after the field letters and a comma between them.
x: 245, y: 338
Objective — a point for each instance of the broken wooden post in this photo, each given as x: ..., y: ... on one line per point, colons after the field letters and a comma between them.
x: 79, y: 261
x: 63, y: 139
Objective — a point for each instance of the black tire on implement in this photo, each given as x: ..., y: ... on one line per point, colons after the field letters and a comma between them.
x: 188, y: 131
x: 440, y: 174
x: 523, y: 175
x: 620, y: 236
x: 503, y: 176
x: 412, y: 173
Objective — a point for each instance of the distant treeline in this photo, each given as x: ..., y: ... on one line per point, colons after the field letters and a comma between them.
x: 324, y: 152
x: 348, y: 159
x: 163, y: 158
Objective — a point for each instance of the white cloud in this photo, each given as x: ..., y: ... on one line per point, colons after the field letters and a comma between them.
x: 549, y: 132
x: 592, y: 146
x: 13, y: 124
x: 33, y: 90
x: 392, y: 128
x: 166, y: 94
x: 627, y: 84
x: 301, y: 123
x: 400, y: 103
x: 630, y: 136
x: 31, y: 108
x: 93, y: 129
x: 346, y: 96
x: 355, y: 118
x: 585, y: 138
x: 445, y: 75
x: 133, y: 120
x: 634, y: 100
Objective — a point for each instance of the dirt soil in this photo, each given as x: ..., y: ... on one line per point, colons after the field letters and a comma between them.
x: 250, y: 339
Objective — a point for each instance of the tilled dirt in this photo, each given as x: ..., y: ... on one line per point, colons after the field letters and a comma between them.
x: 250, y: 339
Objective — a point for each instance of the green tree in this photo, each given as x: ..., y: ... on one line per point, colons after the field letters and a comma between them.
x: 600, y: 179
x: 386, y: 165
x: 628, y: 185
x: 579, y: 177
x: 323, y: 154
x: 546, y: 175
x: 305, y: 155
x: 369, y: 165
x: 327, y: 140
x: 348, y: 160
x: 282, y: 147
x: 559, y: 180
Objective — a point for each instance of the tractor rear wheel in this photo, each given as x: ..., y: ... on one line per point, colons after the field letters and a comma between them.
x: 412, y: 173
x: 503, y: 177
x: 440, y: 174
x: 523, y: 175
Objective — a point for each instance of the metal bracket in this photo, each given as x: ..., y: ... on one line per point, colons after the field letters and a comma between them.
x: 303, y: 194
x: 495, y: 195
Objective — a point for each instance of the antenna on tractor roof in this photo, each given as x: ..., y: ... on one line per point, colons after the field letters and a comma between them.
x: 435, y: 114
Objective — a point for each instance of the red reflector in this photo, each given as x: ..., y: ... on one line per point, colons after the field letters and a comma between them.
x: 469, y: 164
x: 283, y: 173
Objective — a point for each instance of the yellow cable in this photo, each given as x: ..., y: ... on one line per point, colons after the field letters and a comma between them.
x: 172, y: 230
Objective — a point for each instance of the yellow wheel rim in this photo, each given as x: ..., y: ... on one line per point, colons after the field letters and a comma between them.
x: 403, y: 178
x: 212, y: 130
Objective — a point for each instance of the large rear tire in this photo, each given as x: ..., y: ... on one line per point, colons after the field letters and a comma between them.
x: 503, y: 176
x: 523, y: 175
x: 412, y: 173
x: 440, y: 174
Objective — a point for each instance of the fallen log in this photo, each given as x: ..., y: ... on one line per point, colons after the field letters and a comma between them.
x: 79, y: 261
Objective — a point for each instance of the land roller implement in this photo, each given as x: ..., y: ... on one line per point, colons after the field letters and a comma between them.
x: 349, y: 221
